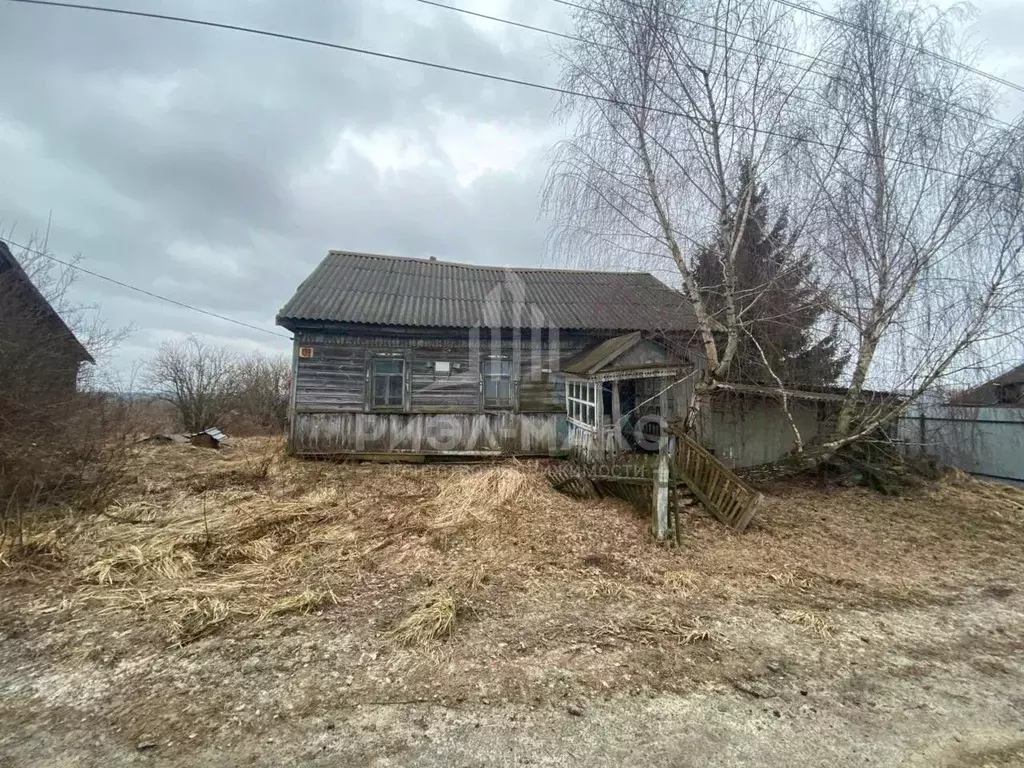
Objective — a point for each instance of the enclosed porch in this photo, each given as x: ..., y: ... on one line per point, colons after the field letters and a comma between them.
x: 622, y: 394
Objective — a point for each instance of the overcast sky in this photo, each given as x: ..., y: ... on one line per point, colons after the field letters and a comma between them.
x: 218, y: 168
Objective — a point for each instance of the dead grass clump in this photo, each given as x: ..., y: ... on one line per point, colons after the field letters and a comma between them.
x: 465, y: 499
x: 653, y: 624
x: 148, y: 560
x: 655, y: 627
x: 246, y: 477
x: 309, y: 599
x: 684, y: 581
x: 811, y: 621
x: 788, y: 579
x: 198, y: 618
x: 433, y: 619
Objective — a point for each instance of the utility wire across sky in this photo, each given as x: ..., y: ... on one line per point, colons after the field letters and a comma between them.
x: 446, y: 68
x: 143, y: 291
x: 806, y: 139
x: 717, y: 30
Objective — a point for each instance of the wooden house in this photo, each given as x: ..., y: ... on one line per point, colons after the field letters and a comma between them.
x: 39, y: 355
x: 419, y: 357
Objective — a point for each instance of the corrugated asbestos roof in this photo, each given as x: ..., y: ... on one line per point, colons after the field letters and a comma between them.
x: 391, y: 290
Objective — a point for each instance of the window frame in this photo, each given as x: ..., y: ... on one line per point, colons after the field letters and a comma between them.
x: 372, y: 376
x: 497, y: 403
x: 581, y: 403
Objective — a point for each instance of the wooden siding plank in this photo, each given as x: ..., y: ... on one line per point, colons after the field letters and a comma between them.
x: 457, y: 391
x: 335, y: 377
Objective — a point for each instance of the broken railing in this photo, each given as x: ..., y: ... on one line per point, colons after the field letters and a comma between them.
x: 717, y: 487
x: 656, y: 484
x: 644, y: 480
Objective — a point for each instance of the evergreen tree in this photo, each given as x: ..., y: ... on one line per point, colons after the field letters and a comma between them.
x: 778, y: 295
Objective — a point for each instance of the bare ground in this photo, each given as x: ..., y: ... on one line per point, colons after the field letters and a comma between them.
x: 241, y: 608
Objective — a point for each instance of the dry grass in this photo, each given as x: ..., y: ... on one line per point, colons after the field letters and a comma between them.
x: 811, y: 621
x: 474, y: 498
x: 432, y: 619
x: 203, y: 541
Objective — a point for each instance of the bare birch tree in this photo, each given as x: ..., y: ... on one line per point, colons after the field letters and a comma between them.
x: 920, y: 206
x: 678, y: 96
x: 893, y: 168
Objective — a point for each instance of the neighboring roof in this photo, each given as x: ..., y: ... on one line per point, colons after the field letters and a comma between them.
x: 390, y: 290
x: 10, y: 264
x: 987, y: 393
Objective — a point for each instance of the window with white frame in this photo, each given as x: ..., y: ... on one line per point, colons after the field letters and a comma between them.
x: 497, y: 377
x: 581, y: 402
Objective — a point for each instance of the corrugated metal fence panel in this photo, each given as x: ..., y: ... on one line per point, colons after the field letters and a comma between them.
x: 333, y: 379
x: 988, y: 442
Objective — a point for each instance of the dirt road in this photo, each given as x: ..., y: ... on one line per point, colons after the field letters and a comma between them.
x: 941, y: 685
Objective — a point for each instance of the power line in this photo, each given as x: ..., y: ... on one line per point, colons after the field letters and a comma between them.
x: 476, y: 73
x: 782, y: 62
x: 916, y: 48
x: 143, y: 291
x: 578, y: 39
x: 784, y: 49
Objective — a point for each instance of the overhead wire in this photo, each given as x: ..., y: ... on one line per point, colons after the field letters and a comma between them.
x: 916, y: 48
x: 470, y: 72
x: 137, y: 289
x: 793, y: 52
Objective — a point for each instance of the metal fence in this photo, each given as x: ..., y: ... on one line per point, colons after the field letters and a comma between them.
x: 987, y: 442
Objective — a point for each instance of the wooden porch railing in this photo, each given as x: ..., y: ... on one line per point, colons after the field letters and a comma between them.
x: 716, y: 486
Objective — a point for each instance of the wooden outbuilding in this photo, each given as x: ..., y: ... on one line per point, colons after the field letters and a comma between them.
x: 40, y: 357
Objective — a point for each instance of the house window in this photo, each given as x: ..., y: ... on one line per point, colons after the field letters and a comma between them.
x: 387, y: 382
x: 581, y: 403
x: 497, y: 377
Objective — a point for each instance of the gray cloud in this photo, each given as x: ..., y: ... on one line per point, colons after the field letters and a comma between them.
x: 210, y: 166
x: 218, y: 167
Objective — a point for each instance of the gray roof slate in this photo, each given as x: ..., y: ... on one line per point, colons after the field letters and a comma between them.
x: 391, y: 290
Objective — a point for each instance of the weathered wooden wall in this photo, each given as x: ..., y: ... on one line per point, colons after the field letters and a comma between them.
x: 333, y: 380
x: 334, y: 383
x: 429, y: 434
x: 541, y: 388
x: 330, y: 390
x: 39, y: 356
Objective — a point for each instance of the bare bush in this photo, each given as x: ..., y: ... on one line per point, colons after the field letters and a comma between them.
x: 213, y: 386
x: 67, y: 456
x: 196, y: 378
x: 260, y: 401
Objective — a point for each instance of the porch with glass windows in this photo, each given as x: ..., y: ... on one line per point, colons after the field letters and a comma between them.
x: 621, y: 394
